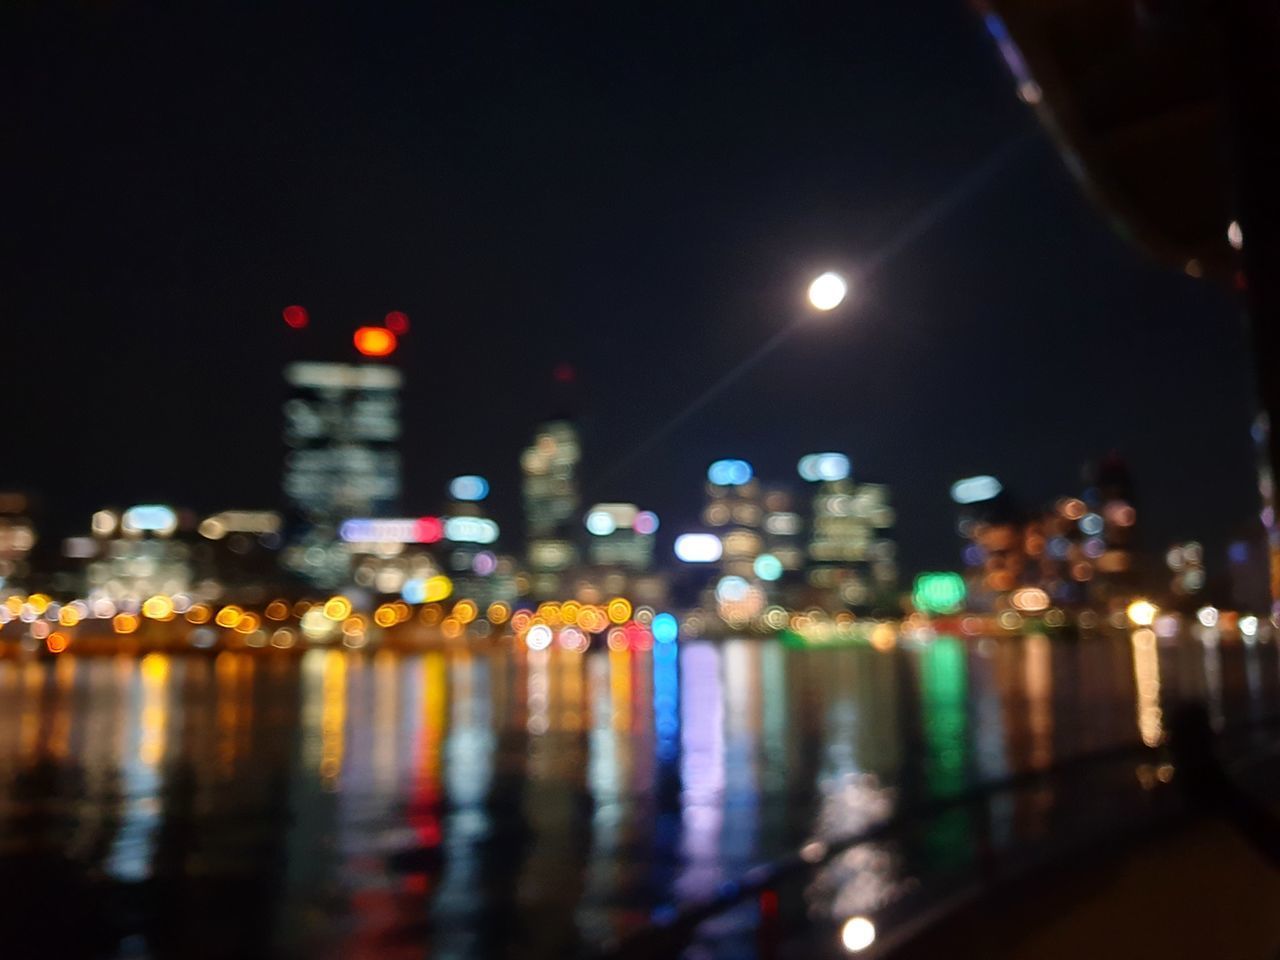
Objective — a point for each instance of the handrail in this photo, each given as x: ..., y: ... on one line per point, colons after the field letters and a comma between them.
x: 1204, y: 781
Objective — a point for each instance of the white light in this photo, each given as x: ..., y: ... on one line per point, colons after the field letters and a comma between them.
x: 600, y: 523
x: 823, y: 466
x: 975, y: 489
x: 155, y: 517
x: 1142, y: 613
x: 1235, y: 236
x: 1208, y: 616
x: 857, y: 934
x: 732, y: 589
x: 1249, y: 626
x: 698, y: 547
x: 538, y: 637
x: 828, y: 291
x: 470, y: 530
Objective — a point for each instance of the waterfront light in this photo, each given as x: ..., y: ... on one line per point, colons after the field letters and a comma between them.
x: 1142, y: 613
x: 857, y: 934
x: 828, y: 291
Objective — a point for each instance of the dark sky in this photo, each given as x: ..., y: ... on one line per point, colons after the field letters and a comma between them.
x: 641, y: 190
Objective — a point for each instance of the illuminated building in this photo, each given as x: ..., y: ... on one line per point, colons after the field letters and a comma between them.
x: 1186, y: 563
x: 1076, y: 552
x: 1109, y: 529
x: 388, y: 555
x: 478, y: 570
x: 620, y: 555
x: 852, y: 562
x: 735, y: 512
x: 17, y: 537
x: 135, y: 555
x: 342, y: 428
x: 782, y: 563
x: 550, y: 493
x: 238, y: 553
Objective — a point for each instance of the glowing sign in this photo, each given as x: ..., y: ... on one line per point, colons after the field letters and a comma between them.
x: 938, y: 592
x: 975, y: 489
x: 823, y: 466
x: 150, y: 517
x: 470, y: 530
x: 469, y: 487
x: 698, y: 547
x: 420, y: 530
x: 729, y: 473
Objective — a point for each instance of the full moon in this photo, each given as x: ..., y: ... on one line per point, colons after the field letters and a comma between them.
x: 828, y: 291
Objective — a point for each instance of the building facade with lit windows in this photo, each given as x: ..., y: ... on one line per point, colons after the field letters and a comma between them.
x: 17, y: 537
x: 342, y: 433
x: 135, y: 554
x: 852, y: 560
x: 549, y: 488
x: 619, y: 556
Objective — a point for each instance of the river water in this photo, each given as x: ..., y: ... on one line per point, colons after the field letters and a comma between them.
x: 476, y: 803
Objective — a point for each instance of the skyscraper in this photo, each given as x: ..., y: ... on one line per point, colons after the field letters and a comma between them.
x: 852, y: 561
x: 550, y: 492
x: 342, y: 429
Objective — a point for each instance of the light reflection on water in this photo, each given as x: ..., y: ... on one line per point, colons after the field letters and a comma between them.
x: 345, y: 803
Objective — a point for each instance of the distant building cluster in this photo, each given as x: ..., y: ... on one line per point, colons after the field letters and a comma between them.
x: 760, y: 553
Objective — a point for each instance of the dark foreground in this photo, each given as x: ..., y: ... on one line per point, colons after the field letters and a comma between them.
x: 339, y: 804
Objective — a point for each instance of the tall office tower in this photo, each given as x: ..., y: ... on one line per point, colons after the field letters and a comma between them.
x: 17, y: 537
x: 550, y: 491
x: 852, y: 561
x: 342, y: 429
x: 735, y: 512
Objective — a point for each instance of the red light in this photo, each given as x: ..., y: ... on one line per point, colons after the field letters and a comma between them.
x: 563, y: 373
x: 429, y: 530
x: 296, y: 316
x: 397, y: 322
x: 375, y: 341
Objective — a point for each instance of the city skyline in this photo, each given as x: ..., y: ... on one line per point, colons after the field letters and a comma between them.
x: 651, y: 265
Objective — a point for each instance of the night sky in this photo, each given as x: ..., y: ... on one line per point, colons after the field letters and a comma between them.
x: 640, y: 190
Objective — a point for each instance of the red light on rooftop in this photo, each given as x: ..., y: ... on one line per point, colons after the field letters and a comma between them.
x: 397, y: 322
x: 296, y: 316
x: 375, y: 341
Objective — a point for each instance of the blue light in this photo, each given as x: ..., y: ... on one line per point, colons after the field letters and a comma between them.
x: 729, y: 473
x: 414, y: 590
x: 665, y: 628
x: 469, y: 487
x: 767, y: 567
